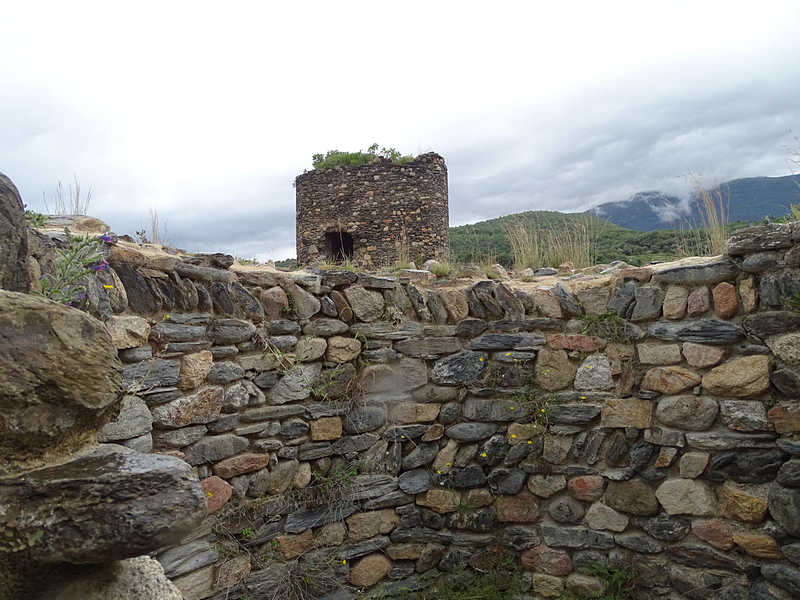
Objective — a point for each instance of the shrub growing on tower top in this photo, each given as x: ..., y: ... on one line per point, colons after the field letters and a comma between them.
x: 337, y: 158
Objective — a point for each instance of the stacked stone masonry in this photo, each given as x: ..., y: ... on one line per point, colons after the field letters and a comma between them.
x: 412, y: 428
x: 384, y: 211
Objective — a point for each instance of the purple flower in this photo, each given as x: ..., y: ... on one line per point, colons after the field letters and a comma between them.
x: 81, y: 297
x: 106, y: 238
x: 101, y: 266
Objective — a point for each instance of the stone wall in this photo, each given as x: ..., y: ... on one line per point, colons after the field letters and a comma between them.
x: 386, y: 208
x: 409, y: 429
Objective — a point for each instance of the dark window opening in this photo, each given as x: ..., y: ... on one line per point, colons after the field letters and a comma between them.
x: 339, y: 245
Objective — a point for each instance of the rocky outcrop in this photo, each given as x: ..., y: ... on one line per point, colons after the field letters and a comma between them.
x: 13, y: 239
x: 61, y: 381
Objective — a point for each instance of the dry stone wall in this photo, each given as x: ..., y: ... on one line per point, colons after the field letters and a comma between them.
x: 411, y: 429
x: 382, y: 209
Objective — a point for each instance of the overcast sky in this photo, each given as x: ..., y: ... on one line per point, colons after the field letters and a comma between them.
x: 207, y: 111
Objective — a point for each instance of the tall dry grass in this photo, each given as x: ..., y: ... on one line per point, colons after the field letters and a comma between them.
x: 534, y: 245
x: 708, y: 237
x: 68, y: 201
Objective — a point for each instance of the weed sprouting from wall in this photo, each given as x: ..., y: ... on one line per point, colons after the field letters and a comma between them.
x: 82, y: 257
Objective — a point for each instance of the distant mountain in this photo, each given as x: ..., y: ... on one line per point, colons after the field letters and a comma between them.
x: 748, y: 199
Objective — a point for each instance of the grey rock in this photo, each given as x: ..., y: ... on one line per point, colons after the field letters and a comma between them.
x: 449, y: 413
x: 695, y: 555
x: 462, y: 368
x: 519, y: 537
x: 720, y: 440
x: 786, y: 578
x: 748, y: 466
x: 178, y: 438
x: 507, y: 341
x: 230, y: 331
x: 328, y: 307
x: 354, y: 443
x: 775, y: 289
x: 171, y: 331
x: 396, y: 498
x: 485, y: 409
x: 573, y: 414
x: 316, y: 450
x: 792, y: 552
x: 772, y: 236
x: 506, y: 481
x: 142, y: 443
x: 422, y: 454
x: 284, y: 327
x: 140, y: 297
x: 767, y: 323
x: 325, y: 327
x: 648, y: 302
x: 134, y: 355
x: 789, y: 446
x: 266, y: 379
x: 298, y: 522
x: 668, y: 529
x: 744, y: 415
x: 294, y: 428
x: 156, y: 372
x: 270, y: 413
x: 295, y: 384
x: 784, y: 506
x: 694, y: 413
x: 305, y: 305
x: 223, y: 352
x: 415, y: 481
x: 224, y: 423
x: 385, y: 330
x: 430, y: 347
x: 695, y: 275
x: 569, y: 305
x: 787, y: 381
x: 467, y: 477
x: 334, y: 278
x: 594, y: 374
x: 544, y: 271
x: 470, y: 328
x: 760, y: 261
x: 639, y: 542
x: 14, y: 240
x: 364, y: 418
x: 133, y: 421
x: 225, y: 372
x: 362, y: 548
x: 703, y: 331
x: 470, y: 432
x: 187, y: 558
x: 102, y: 514
x: 622, y: 299
x: 789, y: 474
x: 214, y: 448
x: 576, y: 537
x: 403, y: 433
x: 565, y: 509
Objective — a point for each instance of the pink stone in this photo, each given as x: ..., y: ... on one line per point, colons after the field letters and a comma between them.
x: 217, y: 492
x: 547, y: 560
x: 241, y: 464
x: 726, y: 303
x: 698, y: 302
x: 586, y: 487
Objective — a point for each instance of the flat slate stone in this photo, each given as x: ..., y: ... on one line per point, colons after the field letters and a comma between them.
x: 703, y: 331
x: 470, y: 432
x: 702, y: 274
x: 415, y: 481
x: 462, y: 368
x: 103, y: 514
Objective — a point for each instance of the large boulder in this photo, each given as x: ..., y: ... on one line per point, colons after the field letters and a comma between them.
x: 108, y: 504
x: 13, y: 239
x: 61, y: 380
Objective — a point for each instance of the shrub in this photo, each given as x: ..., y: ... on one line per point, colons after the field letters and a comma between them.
x: 337, y: 158
x: 82, y: 257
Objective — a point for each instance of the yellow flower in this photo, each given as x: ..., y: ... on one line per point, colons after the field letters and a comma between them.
x: 402, y: 437
x: 446, y: 464
x: 583, y: 397
x: 483, y: 454
x: 480, y: 359
x: 209, y: 494
x: 438, y: 472
x: 508, y: 353
x: 530, y: 442
x: 513, y: 436
x: 344, y: 562
x: 166, y: 316
x: 108, y: 287
x: 588, y: 366
x: 510, y: 408
x: 542, y: 410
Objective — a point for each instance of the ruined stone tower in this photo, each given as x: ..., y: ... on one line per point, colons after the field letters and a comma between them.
x: 374, y: 214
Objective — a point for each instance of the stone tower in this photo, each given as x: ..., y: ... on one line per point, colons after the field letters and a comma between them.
x: 374, y: 214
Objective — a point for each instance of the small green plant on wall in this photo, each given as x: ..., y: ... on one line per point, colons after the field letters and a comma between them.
x: 82, y: 257
x: 609, y: 326
x: 795, y: 302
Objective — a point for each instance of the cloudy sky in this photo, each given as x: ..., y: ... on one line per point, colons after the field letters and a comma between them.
x: 206, y: 111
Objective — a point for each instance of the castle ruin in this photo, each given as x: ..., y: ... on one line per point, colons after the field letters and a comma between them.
x: 374, y: 214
